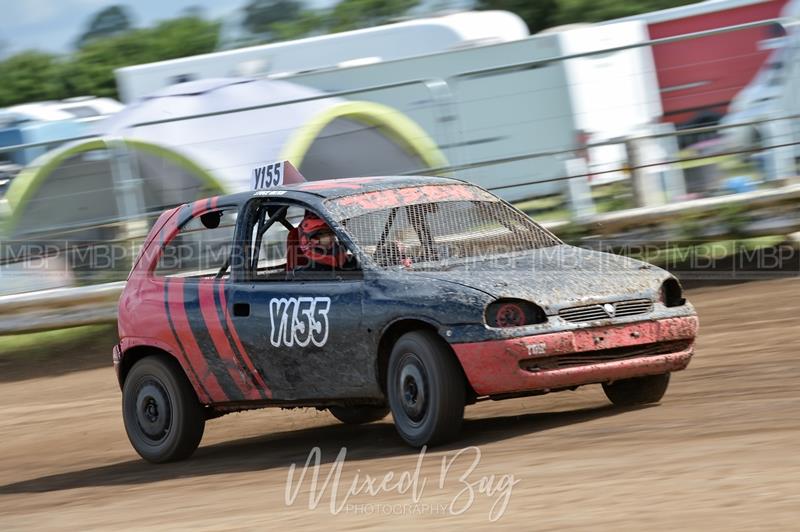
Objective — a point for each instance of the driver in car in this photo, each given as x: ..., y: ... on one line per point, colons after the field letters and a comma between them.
x: 319, y: 245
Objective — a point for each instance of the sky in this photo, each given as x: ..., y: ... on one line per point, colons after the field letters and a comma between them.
x: 53, y: 25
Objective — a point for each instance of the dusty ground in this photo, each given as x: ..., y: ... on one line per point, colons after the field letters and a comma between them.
x: 722, y: 451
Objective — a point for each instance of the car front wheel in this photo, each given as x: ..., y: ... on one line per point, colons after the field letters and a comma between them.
x: 637, y: 391
x: 162, y: 415
x: 426, y: 389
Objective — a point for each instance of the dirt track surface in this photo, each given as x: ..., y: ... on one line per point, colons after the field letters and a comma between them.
x: 722, y: 451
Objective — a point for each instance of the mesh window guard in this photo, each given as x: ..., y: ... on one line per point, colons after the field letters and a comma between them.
x: 431, y: 235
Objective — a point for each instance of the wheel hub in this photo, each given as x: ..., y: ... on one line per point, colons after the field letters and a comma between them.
x: 412, y: 389
x: 153, y: 410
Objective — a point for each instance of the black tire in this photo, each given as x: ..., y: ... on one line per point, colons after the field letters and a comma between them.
x: 426, y: 389
x: 163, y: 418
x: 637, y: 391
x: 358, y: 415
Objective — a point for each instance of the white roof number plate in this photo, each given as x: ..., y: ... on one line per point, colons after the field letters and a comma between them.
x: 267, y: 176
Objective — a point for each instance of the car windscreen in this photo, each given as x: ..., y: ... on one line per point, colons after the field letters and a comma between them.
x: 434, y: 229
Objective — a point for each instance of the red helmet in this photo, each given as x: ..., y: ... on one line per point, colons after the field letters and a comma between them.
x: 318, y: 242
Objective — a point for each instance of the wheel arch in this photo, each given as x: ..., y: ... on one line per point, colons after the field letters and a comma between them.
x: 397, y: 328
x: 135, y: 353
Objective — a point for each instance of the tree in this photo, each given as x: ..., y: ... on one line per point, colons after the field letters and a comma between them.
x: 109, y: 21
x: 592, y: 11
x: 355, y: 14
x: 308, y: 23
x: 538, y: 15
x: 92, y: 67
x: 182, y: 37
x: 261, y: 15
x: 31, y: 76
x: 542, y: 14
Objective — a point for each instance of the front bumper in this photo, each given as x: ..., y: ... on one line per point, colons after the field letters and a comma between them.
x: 583, y: 356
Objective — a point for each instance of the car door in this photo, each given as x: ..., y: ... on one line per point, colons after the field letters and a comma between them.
x: 185, y: 298
x: 301, y: 331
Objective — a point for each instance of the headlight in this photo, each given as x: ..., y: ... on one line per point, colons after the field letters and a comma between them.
x: 672, y: 293
x: 513, y: 313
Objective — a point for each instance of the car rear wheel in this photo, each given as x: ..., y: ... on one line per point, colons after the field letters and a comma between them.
x: 163, y: 418
x: 426, y: 389
x: 357, y: 415
x: 637, y: 391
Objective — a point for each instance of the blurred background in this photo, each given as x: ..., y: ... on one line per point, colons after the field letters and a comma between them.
x: 661, y: 129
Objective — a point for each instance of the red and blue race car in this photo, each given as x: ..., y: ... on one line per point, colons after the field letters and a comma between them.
x: 414, y: 295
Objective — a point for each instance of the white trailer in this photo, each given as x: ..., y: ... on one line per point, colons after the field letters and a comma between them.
x: 553, y: 106
x: 382, y: 43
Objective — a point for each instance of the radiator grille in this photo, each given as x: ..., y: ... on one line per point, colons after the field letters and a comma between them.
x: 605, y: 311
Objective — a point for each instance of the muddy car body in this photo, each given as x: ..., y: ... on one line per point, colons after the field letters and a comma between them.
x: 448, y: 296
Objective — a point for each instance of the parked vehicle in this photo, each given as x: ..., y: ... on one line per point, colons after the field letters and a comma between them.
x: 698, y: 78
x: 49, y: 121
x: 768, y: 106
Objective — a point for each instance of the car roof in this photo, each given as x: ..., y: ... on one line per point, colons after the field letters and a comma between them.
x: 337, y: 188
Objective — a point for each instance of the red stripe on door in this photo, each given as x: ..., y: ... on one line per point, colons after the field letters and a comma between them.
x: 211, y: 318
x: 184, y: 332
x: 185, y: 362
x: 247, y: 360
